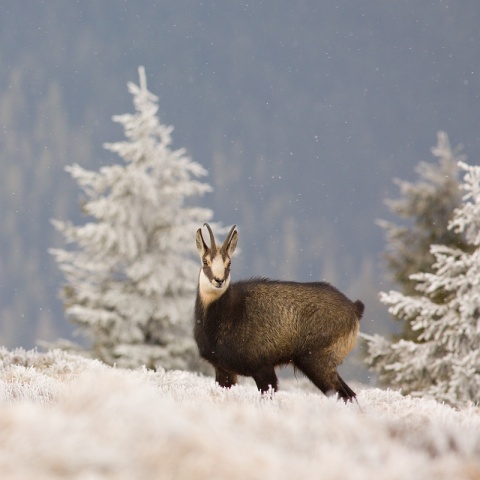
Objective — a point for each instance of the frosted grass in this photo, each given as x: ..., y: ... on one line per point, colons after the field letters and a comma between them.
x: 63, y: 416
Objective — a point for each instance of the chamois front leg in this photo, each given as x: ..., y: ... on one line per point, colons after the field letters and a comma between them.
x: 266, y: 379
x: 225, y: 379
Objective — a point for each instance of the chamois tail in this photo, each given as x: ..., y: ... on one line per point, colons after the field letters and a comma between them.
x: 359, y: 307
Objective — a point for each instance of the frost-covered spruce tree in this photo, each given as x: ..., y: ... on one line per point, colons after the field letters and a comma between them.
x: 446, y: 364
x: 425, y: 208
x: 130, y: 276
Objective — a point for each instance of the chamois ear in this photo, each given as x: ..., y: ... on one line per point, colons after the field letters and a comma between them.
x: 201, y: 245
x: 232, y: 244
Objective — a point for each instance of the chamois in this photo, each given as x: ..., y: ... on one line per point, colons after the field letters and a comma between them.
x: 249, y: 327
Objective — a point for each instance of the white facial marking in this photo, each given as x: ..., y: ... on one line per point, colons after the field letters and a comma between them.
x: 218, y: 269
x: 210, y: 289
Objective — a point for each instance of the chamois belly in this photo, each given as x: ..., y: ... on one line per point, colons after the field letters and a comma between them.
x: 240, y: 356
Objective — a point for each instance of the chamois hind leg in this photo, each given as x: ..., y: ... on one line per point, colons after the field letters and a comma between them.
x: 265, y: 378
x: 323, y: 374
x: 225, y: 379
x: 348, y: 393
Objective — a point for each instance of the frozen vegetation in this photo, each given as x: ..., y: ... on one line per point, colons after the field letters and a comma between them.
x: 137, y: 246
x: 445, y: 311
x: 65, y: 416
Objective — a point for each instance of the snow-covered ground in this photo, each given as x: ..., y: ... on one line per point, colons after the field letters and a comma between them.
x: 62, y: 416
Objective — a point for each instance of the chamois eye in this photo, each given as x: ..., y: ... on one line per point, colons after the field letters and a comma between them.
x: 205, y: 263
x: 229, y: 264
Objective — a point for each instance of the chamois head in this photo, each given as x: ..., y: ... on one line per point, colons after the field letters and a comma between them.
x: 215, y: 272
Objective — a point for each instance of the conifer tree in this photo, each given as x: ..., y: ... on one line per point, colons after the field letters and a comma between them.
x: 425, y: 207
x: 446, y: 363
x: 131, y: 277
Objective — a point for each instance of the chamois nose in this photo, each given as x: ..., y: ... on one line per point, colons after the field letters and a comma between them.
x: 219, y: 281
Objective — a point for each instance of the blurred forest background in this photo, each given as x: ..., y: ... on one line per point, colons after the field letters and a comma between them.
x: 302, y: 112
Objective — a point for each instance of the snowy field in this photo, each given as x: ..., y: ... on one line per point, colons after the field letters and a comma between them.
x: 63, y: 416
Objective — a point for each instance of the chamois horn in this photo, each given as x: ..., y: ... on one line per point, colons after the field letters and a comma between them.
x: 213, y: 245
x: 228, y: 238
